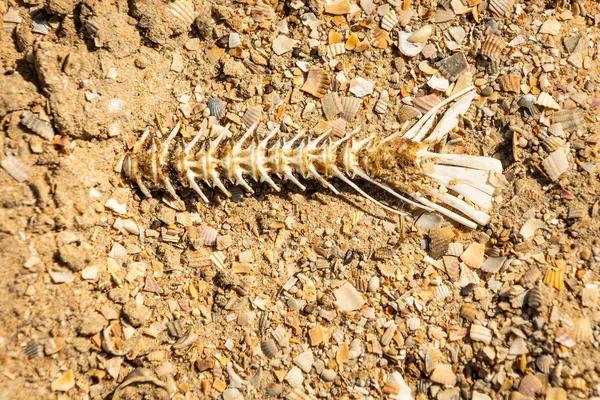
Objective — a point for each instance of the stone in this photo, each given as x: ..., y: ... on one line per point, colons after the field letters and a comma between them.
x: 135, y: 313
x: 224, y: 242
x: 92, y: 323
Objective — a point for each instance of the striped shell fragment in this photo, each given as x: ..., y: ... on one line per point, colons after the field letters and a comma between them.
x: 459, y: 186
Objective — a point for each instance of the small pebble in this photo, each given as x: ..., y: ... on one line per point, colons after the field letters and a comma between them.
x: 142, y: 62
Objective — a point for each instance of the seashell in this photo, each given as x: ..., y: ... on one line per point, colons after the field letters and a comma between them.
x: 553, y: 393
x: 383, y: 253
x: 352, y: 42
x: 413, y: 323
x: 449, y: 394
x: 54, y: 345
x: 361, y: 87
x: 348, y: 298
x: 555, y: 278
x: 64, y: 383
x: 571, y: 43
x: 452, y: 266
x: 362, y: 278
x: 455, y: 249
x: 283, y: 44
x: 439, y: 240
x: 518, y: 347
x: 535, y: 298
x: 546, y: 100
x: 389, y: 21
x: 305, y: 360
x: 115, y: 105
x: 421, y: 35
x: 184, y: 11
x: 299, y: 394
x: 16, y: 168
x: 550, y: 27
x: 510, y: 83
x: 492, y: 47
x: 262, y: 12
x: 544, y: 363
x: 528, y: 102
x: 407, y: 113
x: 33, y: 350
x: 388, y: 335
x: 235, y: 381
x: 493, y: 68
x: 443, y: 292
x: 444, y: 375
x: 452, y: 67
x: 409, y: 49
x: 426, y: 103
x: 350, y: 107
x: 565, y: 339
x: 382, y: 104
x: 337, y: 7
x: 294, y: 377
x: 473, y: 255
x: 36, y: 125
x: 252, y: 116
x: 531, y: 277
x: 493, y: 264
x: 207, y: 235
x: 556, y: 164
x: 317, y: 82
x: 438, y: 83
x: 338, y: 126
x: 501, y: 7
x: 216, y: 107
x: 269, y: 348
x: 12, y: 16
x: 530, y: 386
x: 281, y: 335
x: 571, y: 120
x: 432, y: 359
x: 480, y: 333
x: 217, y: 258
x: 335, y: 49
x: 576, y: 383
x: 234, y: 40
x: 582, y: 330
x: 135, y: 270
x: 332, y: 106
x: 443, y: 15
x: 137, y: 376
x: 553, y: 143
x: 470, y: 312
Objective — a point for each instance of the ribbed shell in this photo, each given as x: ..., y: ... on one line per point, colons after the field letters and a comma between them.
x: 546, y: 100
x: 335, y: 49
x: 480, y: 333
x: 493, y: 47
x: 332, y: 106
x: 382, y: 103
x: 216, y: 107
x: 531, y: 277
x: 439, y: 239
x: 317, y: 82
x: 535, y: 298
x: 389, y: 21
x: 510, y: 83
x: 36, y: 125
x: 544, y: 363
x: 426, y: 103
x: 362, y: 278
x: 350, y: 107
x: 305, y: 360
x: 501, y: 7
x: 582, y: 330
x: 252, y: 116
x: 556, y: 164
x: 262, y: 12
x: 530, y: 386
x: 294, y: 377
x: 571, y: 120
x: 576, y: 383
x: 184, y: 11
x: 269, y: 348
x: 469, y: 312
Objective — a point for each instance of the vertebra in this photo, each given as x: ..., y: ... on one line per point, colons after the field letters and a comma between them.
x: 400, y: 162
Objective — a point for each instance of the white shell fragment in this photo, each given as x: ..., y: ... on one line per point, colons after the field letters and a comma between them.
x: 16, y: 168
x: 438, y: 83
x: 64, y: 383
x: 38, y: 126
x: 556, y: 163
x: 421, y: 35
x: 283, y: 44
x: 183, y: 10
x: 550, y: 27
x: 480, y: 333
x: 361, y: 87
x: 402, y: 389
x: 528, y: 229
x: 407, y: 47
x: 348, y: 298
x: 545, y: 100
